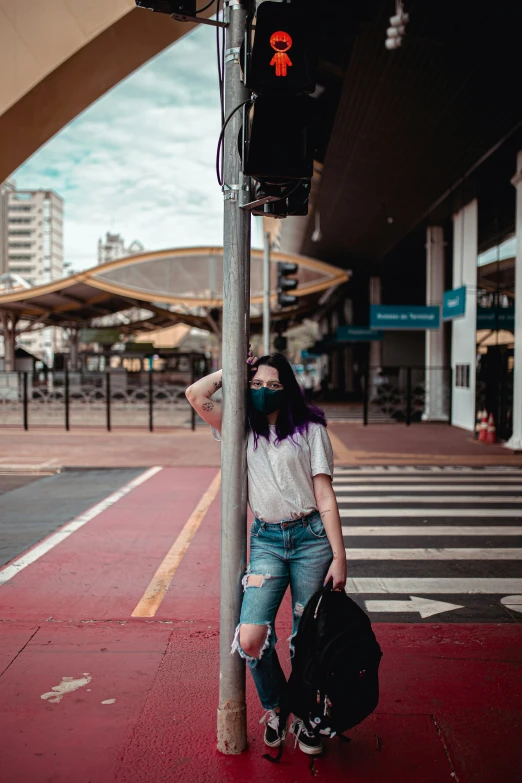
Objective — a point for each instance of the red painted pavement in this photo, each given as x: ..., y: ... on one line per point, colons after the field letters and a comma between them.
x: 451, y: 702
x: 102, y: 570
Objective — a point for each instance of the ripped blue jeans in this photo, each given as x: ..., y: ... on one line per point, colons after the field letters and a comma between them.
x: 286, y: 553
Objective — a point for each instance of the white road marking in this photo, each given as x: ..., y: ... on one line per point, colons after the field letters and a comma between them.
x: 430, y: 512
x: 109, y: 701
x: 431, y: 530
x: 429, y: 499
x: 67, y: 685
x: 434, y: 471
x: 432, y: 586
x: 425, y: 488
x: 460, y: 553
x: 432, y: 481
x: 426, y: 607
x: 513, y: 602
x: 13, y: 568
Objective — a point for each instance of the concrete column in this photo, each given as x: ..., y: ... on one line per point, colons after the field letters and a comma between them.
x: 434, y: 407
x: 464, y: 330
x: 515, y: 441
x: 375, y: 347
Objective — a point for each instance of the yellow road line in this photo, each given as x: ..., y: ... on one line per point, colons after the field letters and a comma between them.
x: 155, y: 592
x: 341, y: 452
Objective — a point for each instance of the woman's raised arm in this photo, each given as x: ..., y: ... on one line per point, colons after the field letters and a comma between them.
x: 199, y: 395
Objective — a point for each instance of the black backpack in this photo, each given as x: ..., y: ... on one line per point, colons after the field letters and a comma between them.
x: 334, y: 684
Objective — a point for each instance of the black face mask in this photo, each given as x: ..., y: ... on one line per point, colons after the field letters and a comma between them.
x: 265, y: 400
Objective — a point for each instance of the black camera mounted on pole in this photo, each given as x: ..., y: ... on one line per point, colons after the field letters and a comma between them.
x: 180, y: 10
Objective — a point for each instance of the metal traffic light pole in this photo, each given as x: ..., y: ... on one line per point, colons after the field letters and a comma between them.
x: 266, y: 295
x: 231, y: 717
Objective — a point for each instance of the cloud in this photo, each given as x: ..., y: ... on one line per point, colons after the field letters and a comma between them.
x: 141, y: 160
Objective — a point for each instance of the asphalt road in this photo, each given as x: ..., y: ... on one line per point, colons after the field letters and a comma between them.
x: 34, y: 505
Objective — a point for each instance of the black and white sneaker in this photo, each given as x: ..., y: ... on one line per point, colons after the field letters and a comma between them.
x: 307, y: 740
x: 272, y: 738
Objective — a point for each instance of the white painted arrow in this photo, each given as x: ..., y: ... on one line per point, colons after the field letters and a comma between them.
x: 426, y: 607
x: 512, y: 602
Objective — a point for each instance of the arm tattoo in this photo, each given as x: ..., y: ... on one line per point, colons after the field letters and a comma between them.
x: 217, y: 385
x: 208, y: 406
x: 326, y: 511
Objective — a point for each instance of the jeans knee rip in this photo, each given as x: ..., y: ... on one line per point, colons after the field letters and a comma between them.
x: 249, y: 574
x: 236, y: 647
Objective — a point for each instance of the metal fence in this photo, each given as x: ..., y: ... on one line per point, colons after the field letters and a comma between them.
x: 406, y: 394
x: 107, y: 400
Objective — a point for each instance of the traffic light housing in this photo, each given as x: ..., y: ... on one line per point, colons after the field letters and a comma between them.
x: 278, y: 138
x: 284, y: 54
x: 286, y: 283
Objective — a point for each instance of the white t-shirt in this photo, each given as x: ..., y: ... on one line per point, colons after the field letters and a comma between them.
x: 280, y: 486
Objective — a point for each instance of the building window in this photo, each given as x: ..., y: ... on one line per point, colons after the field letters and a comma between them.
x: 462, y: 376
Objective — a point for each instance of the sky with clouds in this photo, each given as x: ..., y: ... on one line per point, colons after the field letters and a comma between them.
x: 141, y: 160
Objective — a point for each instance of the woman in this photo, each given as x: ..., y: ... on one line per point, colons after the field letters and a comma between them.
x: 296, y: 537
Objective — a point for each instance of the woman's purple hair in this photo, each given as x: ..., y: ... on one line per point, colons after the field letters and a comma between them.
x: 295, y: 414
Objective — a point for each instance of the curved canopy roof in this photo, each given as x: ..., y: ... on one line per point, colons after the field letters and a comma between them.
x: 173, y: 286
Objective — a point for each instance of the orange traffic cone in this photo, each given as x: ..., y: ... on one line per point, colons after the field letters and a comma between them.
x: 491, y: 436
x: 484, y: 427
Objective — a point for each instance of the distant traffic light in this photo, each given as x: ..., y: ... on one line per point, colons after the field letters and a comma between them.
x: 397, y: 30
x: 286, y: 283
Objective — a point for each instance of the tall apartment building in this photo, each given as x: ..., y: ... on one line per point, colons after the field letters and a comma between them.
x: 31, y: 245
x: 113, y: 247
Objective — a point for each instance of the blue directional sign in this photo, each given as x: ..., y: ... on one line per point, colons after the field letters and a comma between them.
x: 454, y: 304
x: 496, y: 318
x: 357, y: 334
x: 404, y: 317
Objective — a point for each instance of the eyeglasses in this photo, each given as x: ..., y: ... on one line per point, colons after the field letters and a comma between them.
x: 271, y: 385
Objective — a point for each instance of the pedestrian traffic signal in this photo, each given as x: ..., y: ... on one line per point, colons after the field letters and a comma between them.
x: 284, y: 52
x: 277, y: 143
x: 286, y: 283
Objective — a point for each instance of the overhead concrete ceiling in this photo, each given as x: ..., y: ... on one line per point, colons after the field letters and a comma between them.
x: 59, y: 56
x: 411, y: 123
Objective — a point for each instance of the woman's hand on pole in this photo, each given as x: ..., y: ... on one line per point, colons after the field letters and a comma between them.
x: 251, y: 359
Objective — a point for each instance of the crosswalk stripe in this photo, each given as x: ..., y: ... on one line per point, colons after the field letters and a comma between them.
x: 355, y: 513
x: 431, y: 530
x: 456, y: 553
x: 414, y: 506
x: 433, y: 586
x: 428, y: 499
x: 343, y: 487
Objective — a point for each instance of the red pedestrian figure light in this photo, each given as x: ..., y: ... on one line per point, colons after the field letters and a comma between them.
x: 281, y: 42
